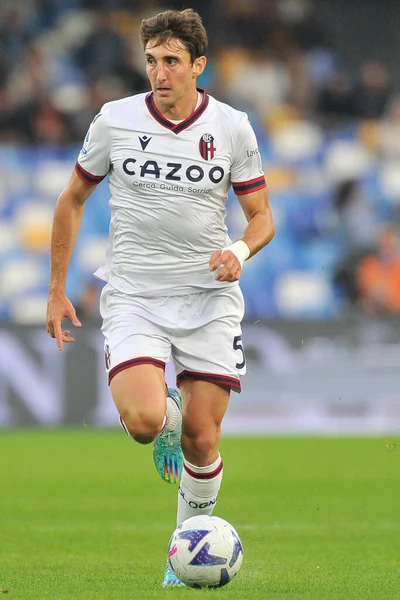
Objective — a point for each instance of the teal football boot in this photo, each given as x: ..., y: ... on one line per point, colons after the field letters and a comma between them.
x: 170, y: 579
x: 167, y: 453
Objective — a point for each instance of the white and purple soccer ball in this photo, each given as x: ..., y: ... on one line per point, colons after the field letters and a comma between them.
x: 205, y: 552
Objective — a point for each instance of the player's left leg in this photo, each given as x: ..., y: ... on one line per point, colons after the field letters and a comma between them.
x: 205, y: 404
x: 209, y: 358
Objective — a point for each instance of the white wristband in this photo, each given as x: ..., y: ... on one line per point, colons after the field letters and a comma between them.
x: 240, y: 249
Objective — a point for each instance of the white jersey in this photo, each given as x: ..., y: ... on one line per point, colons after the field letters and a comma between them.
x: 169, y: 185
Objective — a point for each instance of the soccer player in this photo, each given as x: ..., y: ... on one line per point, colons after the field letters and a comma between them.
x: 171, y: 271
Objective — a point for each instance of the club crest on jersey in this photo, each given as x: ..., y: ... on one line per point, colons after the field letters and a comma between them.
x: 206, y: 146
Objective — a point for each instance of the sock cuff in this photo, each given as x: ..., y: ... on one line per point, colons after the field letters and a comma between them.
x: 164, y: 424
x: 207, y: 472
x: 124, y: 427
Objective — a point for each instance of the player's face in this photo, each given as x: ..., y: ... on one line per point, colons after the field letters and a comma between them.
x: 171, y: 72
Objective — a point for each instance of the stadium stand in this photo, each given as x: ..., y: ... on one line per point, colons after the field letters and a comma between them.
x: 329, y: 139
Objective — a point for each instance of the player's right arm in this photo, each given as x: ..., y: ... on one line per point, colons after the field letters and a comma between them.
x: 92, y: 166
x: 66, y: 224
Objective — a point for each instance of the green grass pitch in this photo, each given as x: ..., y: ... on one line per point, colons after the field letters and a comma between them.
x: 84, y: 516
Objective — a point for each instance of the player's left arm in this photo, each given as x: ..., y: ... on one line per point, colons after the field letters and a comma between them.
x: 258, y: 233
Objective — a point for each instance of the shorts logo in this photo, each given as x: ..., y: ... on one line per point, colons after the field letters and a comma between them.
x: 107, y: 356
x: 206, y: 146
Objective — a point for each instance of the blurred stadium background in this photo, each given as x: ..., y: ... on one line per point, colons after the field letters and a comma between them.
x: 321, y: 84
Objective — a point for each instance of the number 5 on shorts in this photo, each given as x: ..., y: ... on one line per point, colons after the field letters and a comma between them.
x: 238, y: 345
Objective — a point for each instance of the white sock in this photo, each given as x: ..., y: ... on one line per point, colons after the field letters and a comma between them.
x: 198, y: 490
x: 173, y: 414
x: 124, y: 427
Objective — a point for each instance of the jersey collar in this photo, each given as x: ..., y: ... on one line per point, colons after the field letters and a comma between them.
x: 176, y: 127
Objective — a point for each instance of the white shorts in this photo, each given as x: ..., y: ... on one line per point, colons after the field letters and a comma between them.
x: 201, y: 331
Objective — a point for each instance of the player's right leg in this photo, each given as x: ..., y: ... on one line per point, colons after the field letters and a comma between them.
x: 136, y: 350
x: 167, y: 453
x: 149, y: 412
x: 140, y: 397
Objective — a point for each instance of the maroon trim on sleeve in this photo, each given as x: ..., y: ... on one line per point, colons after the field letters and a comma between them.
x: 88, y: 177
x: 247, y: 187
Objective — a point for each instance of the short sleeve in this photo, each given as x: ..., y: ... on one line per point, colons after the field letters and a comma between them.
x: 246, y: 173
x: 93, y: 161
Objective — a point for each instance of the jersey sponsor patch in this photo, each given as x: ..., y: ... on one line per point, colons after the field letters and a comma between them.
x: 206, y: 146
x: 86, y: 141
x: 85, y: 147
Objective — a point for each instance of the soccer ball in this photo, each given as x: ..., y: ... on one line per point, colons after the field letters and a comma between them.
x: 205, y: 552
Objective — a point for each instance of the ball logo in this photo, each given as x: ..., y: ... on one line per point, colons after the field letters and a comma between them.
x: 204, y: 557
x: 206, y: 146
x: 237, y: 549
x: 194, y: 536
x: 172, y: 551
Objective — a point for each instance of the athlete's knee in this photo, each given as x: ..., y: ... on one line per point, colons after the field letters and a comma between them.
x: 142, y: 426
x: 199, y: 447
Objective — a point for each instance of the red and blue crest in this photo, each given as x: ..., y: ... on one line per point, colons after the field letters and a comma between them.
x: 206, y: 146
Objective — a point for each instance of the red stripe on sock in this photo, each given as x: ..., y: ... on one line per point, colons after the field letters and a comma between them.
x: 210, y: 475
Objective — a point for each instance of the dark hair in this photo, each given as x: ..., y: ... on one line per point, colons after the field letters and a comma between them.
x: 185, y: 25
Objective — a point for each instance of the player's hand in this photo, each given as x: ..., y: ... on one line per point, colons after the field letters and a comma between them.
x: 226, y: 264
x: 59, y: 308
